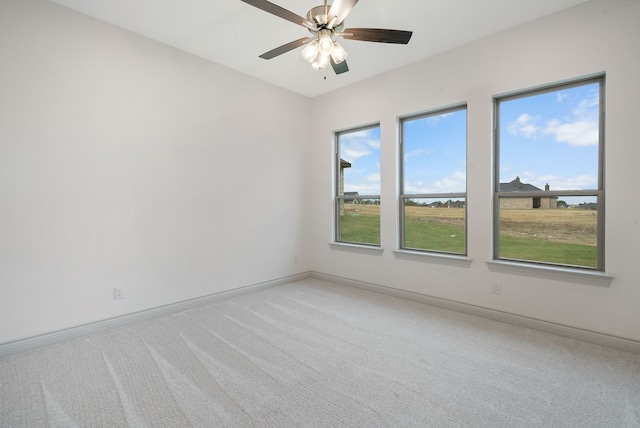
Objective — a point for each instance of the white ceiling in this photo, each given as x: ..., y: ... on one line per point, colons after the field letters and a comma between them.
x: 233, y: 33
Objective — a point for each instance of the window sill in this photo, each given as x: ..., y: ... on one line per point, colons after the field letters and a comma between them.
x: 578, y: 276
x: 355, y: 248
x: 445, y: 259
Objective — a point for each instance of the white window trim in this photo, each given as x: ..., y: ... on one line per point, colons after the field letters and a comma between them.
x: 559, y: 273
x: 451, y: 259
x: 356, y: 248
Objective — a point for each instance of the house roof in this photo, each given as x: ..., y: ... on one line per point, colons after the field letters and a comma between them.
x: 517, y: 186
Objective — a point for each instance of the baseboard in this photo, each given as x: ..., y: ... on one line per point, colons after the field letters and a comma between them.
x: 522, y: 321
x: 29, y: 343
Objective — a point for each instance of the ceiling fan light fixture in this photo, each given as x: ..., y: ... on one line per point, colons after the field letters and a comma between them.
x: 310, y: 52
x: 338, y: 54
x: 324, y: 22
x: 321, y: 62
x: 325, y: 43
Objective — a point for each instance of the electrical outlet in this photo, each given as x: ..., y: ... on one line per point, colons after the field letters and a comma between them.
x: 118, y: 293
x: 497, y: 288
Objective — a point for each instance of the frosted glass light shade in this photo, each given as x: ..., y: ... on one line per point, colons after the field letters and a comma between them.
x: 325, y: 44
x: 338, y: 54
x: 310, y: 52
x: 321, y: 62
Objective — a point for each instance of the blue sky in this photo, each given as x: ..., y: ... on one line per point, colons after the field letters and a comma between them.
x: 551, y: 138
x: 547, y: 138
x: 435, y: 153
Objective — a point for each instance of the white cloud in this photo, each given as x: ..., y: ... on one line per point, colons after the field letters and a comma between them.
x: 453, y: 183
x: 432, y: 120
x: 557, y: 182
x: 366, y: 133
x: 581, y: 129
x: 367, y: 185
x: 368, y: 188
x: 373, y: 143
x: 456, y: 182
x: 373, y: 178
x: 585, y: 181
x: 580, y: 133
x: 358, y: 144
x: 351, y: 153
x: 416, y: 188
x: 524, y: 125
x: 416, y: 153
x: 587, y: 107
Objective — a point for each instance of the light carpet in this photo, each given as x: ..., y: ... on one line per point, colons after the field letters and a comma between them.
x: 317, y: 354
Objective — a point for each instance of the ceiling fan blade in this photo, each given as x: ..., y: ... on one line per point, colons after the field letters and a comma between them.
x: 286, y: 48
x: 339, y: 11
x: 281, y: 12
x: 377, y: 35
x: 339, y: 68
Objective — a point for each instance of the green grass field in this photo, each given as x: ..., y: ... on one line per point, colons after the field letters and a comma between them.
x: 424, y: 235
x: 361, y: 227
x: 559, y: 236
x: 540, y: 250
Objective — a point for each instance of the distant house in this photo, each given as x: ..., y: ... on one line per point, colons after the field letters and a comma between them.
x: 516, y: 185
x: 588, y: 206
x: 447, y: 204
x: 343, y: 164
x: 349, y: 198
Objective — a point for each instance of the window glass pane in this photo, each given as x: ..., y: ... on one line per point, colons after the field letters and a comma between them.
x: 360, y: 161
x: 549, y: 142
x: 436, y: 224
x: 360, y: 221
x: 550, y: 138
x: 434, y: 163
x: 564, y: 234
x: 435, y: 153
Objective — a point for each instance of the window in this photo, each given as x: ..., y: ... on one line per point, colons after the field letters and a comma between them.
x: 549, y: 192
x: 357, y: 201
x: 433, y: 153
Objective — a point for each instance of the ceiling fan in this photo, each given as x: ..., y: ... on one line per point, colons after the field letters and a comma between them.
x: 326, y: 22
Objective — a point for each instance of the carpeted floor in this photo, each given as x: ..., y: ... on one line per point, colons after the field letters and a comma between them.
x: 316, y: 354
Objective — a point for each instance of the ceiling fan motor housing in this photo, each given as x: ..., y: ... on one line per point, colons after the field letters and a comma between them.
x: 319, y: 15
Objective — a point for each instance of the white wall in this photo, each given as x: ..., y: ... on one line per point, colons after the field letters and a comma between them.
x: 599, y: 36
x: 124, y: 162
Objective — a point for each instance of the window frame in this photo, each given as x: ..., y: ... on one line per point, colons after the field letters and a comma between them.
x: 598, y: 193
x: 338, y: 199
x: 402, y: 197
